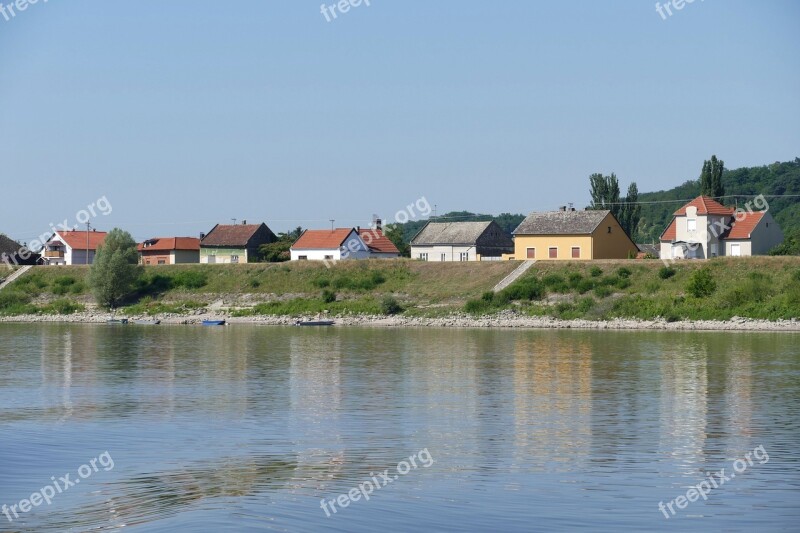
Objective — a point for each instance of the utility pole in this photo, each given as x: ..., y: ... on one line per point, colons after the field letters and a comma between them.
x: 87, y: 242
x: 332, y: 221
x: 234, y: 221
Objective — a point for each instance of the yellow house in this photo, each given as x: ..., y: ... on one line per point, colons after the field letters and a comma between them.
x: 569, y: 235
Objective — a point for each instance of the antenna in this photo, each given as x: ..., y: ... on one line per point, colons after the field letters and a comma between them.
x: 332, y: 221
x: 234, y: 221
x: 434, y: 210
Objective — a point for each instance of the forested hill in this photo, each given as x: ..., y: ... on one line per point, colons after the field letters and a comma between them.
x: 774, y: 179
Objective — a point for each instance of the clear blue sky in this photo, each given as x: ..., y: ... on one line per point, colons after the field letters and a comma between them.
x: 190, y: 112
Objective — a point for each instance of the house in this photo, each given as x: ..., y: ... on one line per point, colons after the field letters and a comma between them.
x: 461, y: 241
x: 14, y: 253
x: 704, y: 228
x: 239, y: 243
x: 330, y: 245
x: 72, y: 247
x: 567, y: 235
x: 652, y: 250
x: 380, y: 247
x: 169, y: 251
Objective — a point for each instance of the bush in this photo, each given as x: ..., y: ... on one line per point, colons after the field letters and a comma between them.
x: 575, y: 278
x: 190, y: 279
x: 623, y: 283
x: 15, y: 303
x: 322, y: 283
x: 390, y: 306
x: 63, y: 307
x: 701, y: 284
x: 796, y: 276
x: 254, y: 283
x: 523, y: 289
x: 555, y: 283
x: 595, y: 271
x: 666, y: 272
x: 602, y: 291
x: 328, y: 296
x: 624, y: 272
x: 584, y: 286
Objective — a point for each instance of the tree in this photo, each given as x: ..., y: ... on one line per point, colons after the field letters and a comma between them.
x: 631, y: 211
x: 711, y: 178
x: 396, y: 234
x: 116, y: 270
x: 280, y: 250
x: 605, y: 193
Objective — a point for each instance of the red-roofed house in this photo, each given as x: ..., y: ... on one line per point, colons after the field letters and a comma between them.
x: 329, y: 245
x: 72, y: 247
x: 380, y: 247
x: 169, y: 251
x: 239, y: 243
x: 704, y: 228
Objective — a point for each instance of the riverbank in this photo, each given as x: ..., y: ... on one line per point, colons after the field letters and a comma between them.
x: 499, y: 321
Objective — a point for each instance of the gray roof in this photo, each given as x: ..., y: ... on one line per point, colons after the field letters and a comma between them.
x: 561, y: 223
x: 450, y: 233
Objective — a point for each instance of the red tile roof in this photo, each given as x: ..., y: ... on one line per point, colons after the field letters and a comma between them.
x: 671, y: 233
x: 742, y: 229
x: 377, y: 241
x: 230, y: 235
x: 321, y: 239
x: 77, y: 239
x: 162, y: 244
x: 706, y: 206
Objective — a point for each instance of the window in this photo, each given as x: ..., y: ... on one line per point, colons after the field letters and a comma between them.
x: 714, y: 250
x: 444, y: 257
x: 736, y: 250
x: 465, y: 256
x: 531, y: 253
x: 609, y: 229
x: 553, y: 253
x: 162, y: 262
x: 328, y: 258
x: 234, y: 259
x: 576, y: 252
x: 691, y: 224
x: 302, y: 257
x: 423, y: 257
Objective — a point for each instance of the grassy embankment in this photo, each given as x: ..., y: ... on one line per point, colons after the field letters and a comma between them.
x: 763, y: 287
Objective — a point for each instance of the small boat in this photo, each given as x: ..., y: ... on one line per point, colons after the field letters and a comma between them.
x: 147, y: 322
x: 117, y: 321
x: 213, y: 322
x: 314, y: 323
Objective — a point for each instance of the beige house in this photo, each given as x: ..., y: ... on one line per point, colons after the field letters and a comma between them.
x: 570, y: 235
x: 704, y: 228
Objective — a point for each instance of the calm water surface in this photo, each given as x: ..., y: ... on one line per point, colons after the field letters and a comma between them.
x: 247, y: 428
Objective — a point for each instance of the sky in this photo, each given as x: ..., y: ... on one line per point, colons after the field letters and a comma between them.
x: 188, y: 113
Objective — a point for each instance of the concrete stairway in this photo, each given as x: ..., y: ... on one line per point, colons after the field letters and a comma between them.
x: 511, y: 278
x: 14, y: 275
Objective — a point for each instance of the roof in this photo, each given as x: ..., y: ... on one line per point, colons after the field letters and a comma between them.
x: 230, y: 235
x: 77, y: 239
x: 741, y: 229
x: 450, y: 233
x: 322, y: 239
x: 562, y: 222
x: 377, y: 241
x: 706, y: 206
x: 170, y: 243
x: 671, y: 233
x: 9, y: 246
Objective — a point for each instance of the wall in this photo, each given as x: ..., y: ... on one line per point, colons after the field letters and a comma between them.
x: 766, y: 236
x: 452, y: 253
x: 543, y: 243
x: 222, y: 255
x: 614, y: 245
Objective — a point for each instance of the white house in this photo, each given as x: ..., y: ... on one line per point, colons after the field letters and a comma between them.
x: 461, y: 241
x: 329, y: 245
x: 72, y: 247
x: 704, y: 228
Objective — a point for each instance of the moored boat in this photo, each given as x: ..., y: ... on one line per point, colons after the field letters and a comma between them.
x: 213, y: 322
x: 117, y: 321
x: 147, y: 322
x: 314, y: 323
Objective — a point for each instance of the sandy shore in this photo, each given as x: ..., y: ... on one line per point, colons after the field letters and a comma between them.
x: 502, y: 320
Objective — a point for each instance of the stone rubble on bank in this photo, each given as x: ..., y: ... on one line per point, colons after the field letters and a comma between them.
x: 506, y: 319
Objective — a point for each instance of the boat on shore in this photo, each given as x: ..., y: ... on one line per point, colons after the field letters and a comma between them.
x: 213, y: 322
x: 117, y: 321
x: 314, y: 323
x: 147, y: 322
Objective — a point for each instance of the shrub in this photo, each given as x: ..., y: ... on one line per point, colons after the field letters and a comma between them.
x: 602, y: 291
x: 390, y: 306
x: 624, y: 272
x: 575, y: 278
x: 523, y: 289
x: 796, y: 276
x: 623, y: 283
x: 701, y: 284
x: 63, y: 307
x: 595, y: 271
x: 190, y: 279
x: 555, y: 283
x: 328, y: 296
x: 322, y: 282
x: 254, y: 283
x: 477, y: 307
x: 584, y: 286
x: 666, y: 272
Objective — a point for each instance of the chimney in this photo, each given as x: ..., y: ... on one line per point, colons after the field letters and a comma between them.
x: 202, y: 236
x: 570, y: 207
x: 244, y: 222
x: 562, y: 208
x: 378, y: 224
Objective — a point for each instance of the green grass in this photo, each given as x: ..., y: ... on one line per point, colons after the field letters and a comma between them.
x: 761, y: 287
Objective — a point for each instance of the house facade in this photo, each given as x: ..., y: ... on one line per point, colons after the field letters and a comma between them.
x: 239, y: 243
x: 704, y: 228
x: 72, y: 247
x: 329, y: 245
x: 461, y: 241
x: 169, y: 251
x: 570, y: 235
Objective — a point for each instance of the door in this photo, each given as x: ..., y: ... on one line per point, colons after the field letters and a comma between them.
x: 736, y: 250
